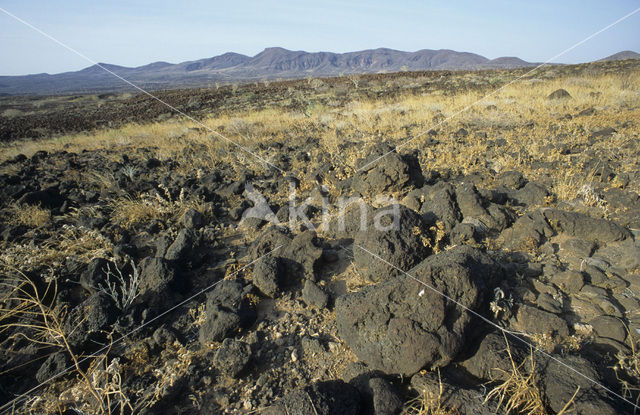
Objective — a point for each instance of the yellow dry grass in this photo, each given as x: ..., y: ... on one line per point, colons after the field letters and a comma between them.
x: 429, y: 403
x: 30, y: 312
x: 130, y: 212
x: 517, y: 390
x: 520, y: 114
x: 28, y: 215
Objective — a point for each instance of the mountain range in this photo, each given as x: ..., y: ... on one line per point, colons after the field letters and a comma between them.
x: 271, y: 63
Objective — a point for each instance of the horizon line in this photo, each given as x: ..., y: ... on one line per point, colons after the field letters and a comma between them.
x: 301, y: 51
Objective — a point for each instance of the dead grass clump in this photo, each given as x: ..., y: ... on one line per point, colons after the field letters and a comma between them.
x: 70, y: 241
x: 518, y: 393
x: 28, y: 215
x: 517, y: 389
x: 130, y: 212
x: 627, y: 369
x: 28, y: 310
x: 429, y: 403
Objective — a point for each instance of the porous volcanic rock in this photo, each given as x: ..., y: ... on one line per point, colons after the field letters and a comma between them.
x: 319, y: 398
x: 228, y: 309
x: 398, y: 236
x: 384, y: 170
x: 400, y: 326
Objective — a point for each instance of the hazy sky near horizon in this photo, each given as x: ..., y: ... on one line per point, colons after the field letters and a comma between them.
x: 133, y: 33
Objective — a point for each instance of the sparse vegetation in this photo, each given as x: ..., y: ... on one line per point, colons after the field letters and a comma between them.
x: 130, y: 212
x: 28, y: 215
x: 123, y: 289
x: 28, y: 310
x: 400, y: 117
x: 518, y: 393
x: 429, y: 404
x: 69, y: 241
x: 126, y: 190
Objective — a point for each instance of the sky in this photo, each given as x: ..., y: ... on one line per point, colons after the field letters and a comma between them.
x: 134, y: 33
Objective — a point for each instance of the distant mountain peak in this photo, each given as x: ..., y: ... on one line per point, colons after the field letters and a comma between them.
x: 625, y: 54
x: 272, y: 62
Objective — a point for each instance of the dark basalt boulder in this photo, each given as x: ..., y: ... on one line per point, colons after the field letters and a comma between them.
x: 400, y: 326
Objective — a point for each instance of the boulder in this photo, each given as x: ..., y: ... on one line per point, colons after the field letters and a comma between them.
x: 158, y: 282
x: 181, y: 247
x: 582, y: 226
x: 88, y: 320
x: 559, y: 383
x: 559, y: 94
x: 435, y: 203
x: 228, y: 310
x: 400, y: 326
x: 268, y: 275
x: 494, y: 358
x: 534, y: 320
x: 314, y: 295
x: 528, y: 232
x: 300, y: 256
x: 49, y: 198
x: 232, y: 357
x: 384, y: 171
x: 398, y: 237
x: 94, y: 276
x: 511, y: 179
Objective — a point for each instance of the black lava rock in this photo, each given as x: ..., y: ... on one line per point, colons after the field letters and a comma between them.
x: 232, y: 357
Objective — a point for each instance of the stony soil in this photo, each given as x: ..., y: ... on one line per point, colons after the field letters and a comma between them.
x: 282, y: 319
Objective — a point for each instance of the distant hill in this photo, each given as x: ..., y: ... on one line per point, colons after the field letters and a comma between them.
x: 271, y: 63
x: 625, y: 54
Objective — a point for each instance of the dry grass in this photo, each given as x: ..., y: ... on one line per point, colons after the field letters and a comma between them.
x: 520, y: 114
x: 528, y: 123
x: 428, y: 403
x: 130, y: 212
x: 28, y: 215
x: 29, y: 311
x: 70, y: 241
x: 517, y: 390
x: 627, y: 369
x: 518, y: 393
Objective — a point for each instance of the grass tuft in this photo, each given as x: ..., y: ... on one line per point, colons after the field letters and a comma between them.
x: 28, y: 215
x: 130, y: 212
x: 428, y: 403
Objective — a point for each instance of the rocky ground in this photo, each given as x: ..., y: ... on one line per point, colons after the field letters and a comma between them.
x: 168, y: 299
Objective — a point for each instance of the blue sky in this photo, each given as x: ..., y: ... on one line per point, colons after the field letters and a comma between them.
x: 133, y: 33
